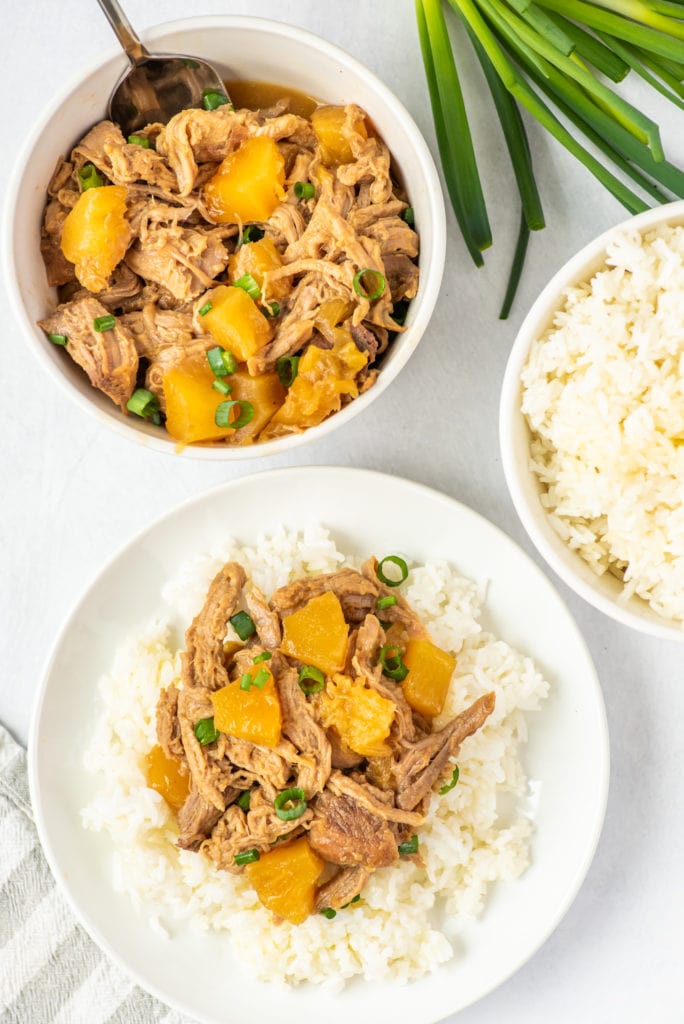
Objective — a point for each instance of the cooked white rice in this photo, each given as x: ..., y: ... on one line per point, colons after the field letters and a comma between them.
x: 467, y: 843
x: 603, y: 393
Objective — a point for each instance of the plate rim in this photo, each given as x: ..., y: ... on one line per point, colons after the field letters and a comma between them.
x: 209, y: 495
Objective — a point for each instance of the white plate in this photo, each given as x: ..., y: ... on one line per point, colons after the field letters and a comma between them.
x: 566, y: 757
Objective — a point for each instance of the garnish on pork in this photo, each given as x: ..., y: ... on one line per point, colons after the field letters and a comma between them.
x: 234, y: 275
x: 296, y: 752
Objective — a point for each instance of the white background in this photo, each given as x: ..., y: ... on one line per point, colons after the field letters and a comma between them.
x: 72, y: 492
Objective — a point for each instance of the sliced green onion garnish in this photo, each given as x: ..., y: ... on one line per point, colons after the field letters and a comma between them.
x: 220, y: 385
x: 89, y: 177
x: 212, y: 98
x: 317, y: 677
x: 271, y: 310
x: 296, y: 797
x: 261, y: 678
x: 265, y: 656
x: 104, y: 323
x: 354, y: 900
x: 223, y: 417
x: 139, y: 140
x: 304, y: 190
x: 205, y: 309
x: 400, y: 564
x: 244, y: 800
x: 143, y: 403
x: 222, y: 363
x: 385, y: 624
x: 410, y: 846
x: 379, y: 281
x: 246, y: 681
x: 387, y: 602
x: 392, y: 665
x: 450, y: 785
x: 287, y: 367
x: 252, y: 234
x: 58, y: 339
x: 215, y: 360
x: 229, y: 361
x: 206, y: 732
x: 248, y: 857
x: 156, y: 418
x: 408, y: 216
x: 249, y: 285
x: 329, y: 913
x: 243, y: 624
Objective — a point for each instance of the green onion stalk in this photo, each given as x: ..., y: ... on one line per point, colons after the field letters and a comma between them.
x: 555, y: 59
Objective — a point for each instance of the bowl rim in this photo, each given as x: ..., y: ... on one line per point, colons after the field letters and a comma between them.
x: 535, y: 521
x: 429, y: 287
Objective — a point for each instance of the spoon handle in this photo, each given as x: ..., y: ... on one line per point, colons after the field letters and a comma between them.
x: 126, y: 35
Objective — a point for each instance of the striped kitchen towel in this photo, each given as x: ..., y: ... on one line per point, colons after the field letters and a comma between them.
x: 50, y: 970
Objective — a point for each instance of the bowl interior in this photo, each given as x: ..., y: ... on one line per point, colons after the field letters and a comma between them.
x: 604, y: 592
x: 242, y: 48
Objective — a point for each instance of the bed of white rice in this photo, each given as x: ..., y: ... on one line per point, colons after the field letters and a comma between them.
x: 603, y: 393
x: 408, y: 918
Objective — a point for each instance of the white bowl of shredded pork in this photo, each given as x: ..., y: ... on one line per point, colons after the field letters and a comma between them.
x: 592, y: 422
x: 271, y: 768
x: 244, y: 278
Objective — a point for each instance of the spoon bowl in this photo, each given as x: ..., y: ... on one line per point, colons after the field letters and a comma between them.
x: 157, y: 86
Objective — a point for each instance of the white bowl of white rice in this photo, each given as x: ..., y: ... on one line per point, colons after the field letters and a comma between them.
x: 592, y: 422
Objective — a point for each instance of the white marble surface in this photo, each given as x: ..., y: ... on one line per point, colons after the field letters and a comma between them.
x: 72, y: 492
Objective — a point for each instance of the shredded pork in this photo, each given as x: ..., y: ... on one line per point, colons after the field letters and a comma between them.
x: 357, y: 810
x: 177, y: 253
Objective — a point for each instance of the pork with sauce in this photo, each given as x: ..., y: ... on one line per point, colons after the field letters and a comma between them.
x: 248, y: 796
x: 331, y: 250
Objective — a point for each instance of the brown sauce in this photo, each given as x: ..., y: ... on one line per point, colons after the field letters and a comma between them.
x: 259, y: 95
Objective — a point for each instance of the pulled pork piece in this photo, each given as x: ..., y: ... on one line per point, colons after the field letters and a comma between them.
x: 375, y: 801
x: 300, y: 726
x: 156, y: 330
x: 285, y: 225
x: 203, y: 663
x: 201, y: 136
x: 211, y: 782
x: 342, y: 888
x: 58, y: 268
x: 265, y: 827
x: 229, y: 837
x: 365, y: 341
x: 297, y: 325
x: 185, y: 261
x: 356, y: 594
x: 393, y: 235
x: 428, y: 761
x: 270, y: 767
x: 120, y: 161
x: 402, y: 276
x: 343, y: 757
x: 168, y: 726
x: 108, y: 357
x: 289, y: 126
x: 265, y: 619
x: 344, y: 832
x: 196, y: 819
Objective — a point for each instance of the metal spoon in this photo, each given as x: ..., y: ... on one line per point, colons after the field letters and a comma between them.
x: 157, y: 86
